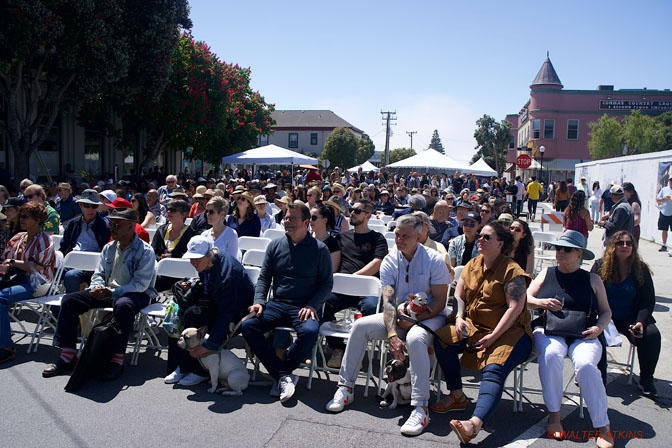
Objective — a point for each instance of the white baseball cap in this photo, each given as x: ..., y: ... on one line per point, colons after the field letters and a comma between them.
x: 198, y: 247
x: 109, y: 195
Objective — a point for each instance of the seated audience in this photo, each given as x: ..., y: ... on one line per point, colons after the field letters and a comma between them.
x: 170, y: 239
x: 223, y: 237
x: 522, y: 250
x: 243, y: 220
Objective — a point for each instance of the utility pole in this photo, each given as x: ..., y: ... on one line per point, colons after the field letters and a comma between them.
x: 388, y: 117
x: 410, y: 134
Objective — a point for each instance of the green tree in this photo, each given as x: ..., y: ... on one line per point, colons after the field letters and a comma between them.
x: 665, y: 121
x: 606, y: 138
x: 401, y: 154
x: 435, y: 143
x: 341, y: 148
x: 492, y: 140
x: 642, y: 133
x: 58, y: 54
x: 365, y: 149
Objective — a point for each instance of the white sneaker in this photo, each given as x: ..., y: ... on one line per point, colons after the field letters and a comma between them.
x: 287, y: 387
x: 174, y: 377
x: 275, y: 389
x: 416, y: 423
x: 341, y: 399
x: 192, y: 379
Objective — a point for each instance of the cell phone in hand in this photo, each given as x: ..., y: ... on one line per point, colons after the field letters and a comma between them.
x: 635, y: 330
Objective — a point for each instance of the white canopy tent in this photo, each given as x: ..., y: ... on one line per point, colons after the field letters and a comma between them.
x: 480, y: 168
x: 429, y: 159
x: 366, y: 167
x: 270, y: 155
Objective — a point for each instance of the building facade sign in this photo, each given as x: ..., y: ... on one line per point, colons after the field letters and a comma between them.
x: 635, y: 105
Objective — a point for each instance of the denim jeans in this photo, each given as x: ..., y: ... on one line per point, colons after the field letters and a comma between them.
x: 279, y: 314
x: 124, y: 308
x: 532, y: 206
x: 8, y: 296
x: 337, y: 302
x: 493, y: 376
x: 73, y: 278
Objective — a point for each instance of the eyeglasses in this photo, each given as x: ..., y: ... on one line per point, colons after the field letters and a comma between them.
x: 469, y: 224
x: 484, y: 237
x: 407, y: 268
x: 357, y: 211
x: 564, y: 249
x: 624, y: 243
x: 485, y: 210
x: 133, y: 201
x: 515, y: 229
x: 115, y: 225
x: 30, y: 196
x: 211, y: 212
x: 314, y: 217
x: 292, y: 218
x: 94, y: 206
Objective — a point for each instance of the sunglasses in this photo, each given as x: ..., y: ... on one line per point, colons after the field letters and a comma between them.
x: 624, y: 244
x: 564, y: 249
x: 314, y: 217
x: 357, y: 211
x: 484, y: 237
x: 30, y: 196
x: 515, y: 229
x: 115, y: 225
x: 292, y: 218
x: 94, y: 206
x: 483, y: 210
x: 407, y: 267
x: 210, y: 212
x: 469, y: 224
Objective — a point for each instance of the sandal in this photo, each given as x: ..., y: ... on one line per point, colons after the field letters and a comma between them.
x: 440, y: 408
x: 7, y: 354
x: 460, y: 432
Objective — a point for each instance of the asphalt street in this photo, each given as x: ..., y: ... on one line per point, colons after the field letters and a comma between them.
x: 140, y: 410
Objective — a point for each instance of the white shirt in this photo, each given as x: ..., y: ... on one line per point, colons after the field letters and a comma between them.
x: 227, y: 241
x: 425, y: 269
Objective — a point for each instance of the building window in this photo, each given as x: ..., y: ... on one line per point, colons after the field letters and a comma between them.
x: 293, y: 140
x: 536, y: 128
x: 512, y: 143
x: 572, y: 129
x: 549, y: 129
x: 93, y: 149
x: 313, y: 138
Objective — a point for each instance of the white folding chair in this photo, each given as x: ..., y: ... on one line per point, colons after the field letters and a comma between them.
x: 188, y: 221
x: 168, y: 267
x: 541, y: 253
x: 389, y: 235
x: 254, y: 257
x: 385, y: 218
x: 253, y: 272
x: 351, y: 285
x: 57, y: 241
x: 390, y: 243
x: 251, y: 242
x: 83, y: 261
x: 273, y: 233
x: 377, y: 227
x: 151, y: 232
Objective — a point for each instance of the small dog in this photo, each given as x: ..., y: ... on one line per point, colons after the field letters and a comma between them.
x: 398, y: 377
x: 224, y: 365
x: 417, y: 304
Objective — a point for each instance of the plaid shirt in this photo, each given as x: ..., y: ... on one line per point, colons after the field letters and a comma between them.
x: 456, y: 249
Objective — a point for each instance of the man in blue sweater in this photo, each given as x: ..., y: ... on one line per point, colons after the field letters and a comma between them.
x: 298, y: 268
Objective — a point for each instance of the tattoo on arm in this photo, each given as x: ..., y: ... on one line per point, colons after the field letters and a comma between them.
x: 516, y: 289
x: 389, y: 308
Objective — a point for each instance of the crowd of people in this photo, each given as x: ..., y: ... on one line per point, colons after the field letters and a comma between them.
x: 439, y: 223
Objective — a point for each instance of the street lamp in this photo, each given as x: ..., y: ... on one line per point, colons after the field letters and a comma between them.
x: 541, y: 150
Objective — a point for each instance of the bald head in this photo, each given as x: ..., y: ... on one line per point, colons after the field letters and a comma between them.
x: 441, y: 211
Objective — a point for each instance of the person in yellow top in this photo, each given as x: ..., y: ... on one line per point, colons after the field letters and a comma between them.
x: 533, y: 195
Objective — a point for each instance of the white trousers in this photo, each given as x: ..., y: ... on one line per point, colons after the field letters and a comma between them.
x: 585, y: 356
x: 417, y: 340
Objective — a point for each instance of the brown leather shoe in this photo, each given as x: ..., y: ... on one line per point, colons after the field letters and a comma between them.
x: 59, y: 368
x: 7, y: 354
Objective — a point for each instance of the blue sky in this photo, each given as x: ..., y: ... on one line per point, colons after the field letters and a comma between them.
x: 439, y: 64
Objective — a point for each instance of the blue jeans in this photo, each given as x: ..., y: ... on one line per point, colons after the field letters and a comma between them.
x: 493, y: 376
x: 278, y: 314
x: 337, y: 302
x: 73, y: 278
x: 8, y: 296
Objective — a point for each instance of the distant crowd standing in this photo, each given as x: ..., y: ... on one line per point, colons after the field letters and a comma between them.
x: 438, y: 224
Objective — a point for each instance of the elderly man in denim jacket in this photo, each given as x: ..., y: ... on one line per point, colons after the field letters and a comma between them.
x: 123, y: 280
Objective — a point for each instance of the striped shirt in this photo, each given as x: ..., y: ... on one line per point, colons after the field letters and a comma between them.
x: 40, y: 249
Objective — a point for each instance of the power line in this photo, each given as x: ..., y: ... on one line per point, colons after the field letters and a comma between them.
x: 410, y: 134
x: 387, y: 118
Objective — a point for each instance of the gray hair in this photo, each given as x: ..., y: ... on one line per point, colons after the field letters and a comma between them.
x: 180, y: 205
x: 219, y: 204
x: 410, y: 221
x: 417, y: 200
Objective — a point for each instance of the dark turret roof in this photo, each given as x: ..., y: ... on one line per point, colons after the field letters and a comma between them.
x: 547, y: 75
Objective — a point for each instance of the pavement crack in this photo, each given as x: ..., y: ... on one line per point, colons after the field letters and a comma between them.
x: 276, y: 431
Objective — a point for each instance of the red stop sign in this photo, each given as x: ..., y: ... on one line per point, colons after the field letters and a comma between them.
x: 523, y: 161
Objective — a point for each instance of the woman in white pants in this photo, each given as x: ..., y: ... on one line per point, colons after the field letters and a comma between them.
x: 571, y: 288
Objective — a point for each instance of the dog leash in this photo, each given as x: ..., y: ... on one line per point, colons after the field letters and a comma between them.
x: 423, y: 326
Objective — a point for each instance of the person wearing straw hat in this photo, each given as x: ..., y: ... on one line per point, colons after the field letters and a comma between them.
x: 261, y: 208
x: 243, y: 219
x: 66, y: 206
x: 568, y: 287
x: 282, y: 204
x: 122, y: 280
x: 340, y: 223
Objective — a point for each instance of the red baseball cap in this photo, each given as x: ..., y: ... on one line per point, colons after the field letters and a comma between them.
x: 121, y: 203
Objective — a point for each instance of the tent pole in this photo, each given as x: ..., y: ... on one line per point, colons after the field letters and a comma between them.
x: 292, y: 175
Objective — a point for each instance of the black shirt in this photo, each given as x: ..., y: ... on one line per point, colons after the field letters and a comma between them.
x: 333, y: 243
x: 466, y: 255
x: 359, y: 249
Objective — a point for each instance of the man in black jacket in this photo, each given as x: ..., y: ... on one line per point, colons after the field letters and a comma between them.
x: 621, y: 216
x: 89, y: 232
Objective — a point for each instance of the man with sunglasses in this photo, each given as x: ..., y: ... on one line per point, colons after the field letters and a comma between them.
x: 123, y: 280
x: 362, y: 252
x: 89, y: 232
x: 165, y: 190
